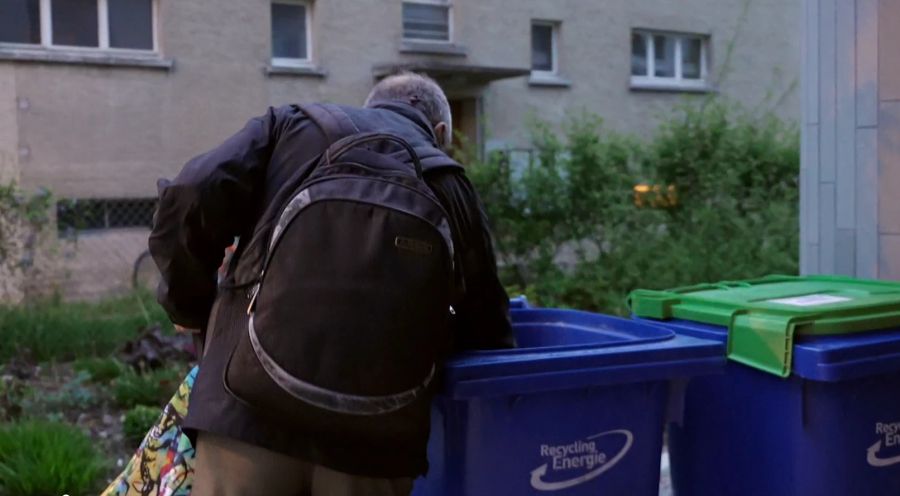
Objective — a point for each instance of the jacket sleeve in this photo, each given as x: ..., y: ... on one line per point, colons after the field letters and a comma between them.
x: 212, y: 200
x: 481, y: 320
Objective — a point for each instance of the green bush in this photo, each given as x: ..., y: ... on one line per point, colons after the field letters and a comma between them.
x: 39, y: 458
x: 139, y: 420
x: 152, y: 388
x: 569, y: 233
x: 100, y: 369
x: 56, y: 330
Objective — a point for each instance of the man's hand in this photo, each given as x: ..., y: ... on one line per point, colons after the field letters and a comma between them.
x: 185, y: 330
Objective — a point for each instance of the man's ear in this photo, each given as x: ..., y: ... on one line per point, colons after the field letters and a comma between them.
x: 442, y: 133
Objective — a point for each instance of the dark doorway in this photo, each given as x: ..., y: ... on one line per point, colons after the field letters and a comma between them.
x: 466, y: 135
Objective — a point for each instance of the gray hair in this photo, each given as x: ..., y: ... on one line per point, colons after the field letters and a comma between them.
x: 417, y: 90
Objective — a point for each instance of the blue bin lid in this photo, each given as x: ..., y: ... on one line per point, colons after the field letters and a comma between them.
x: 567, y: 349
x: 821, y: 358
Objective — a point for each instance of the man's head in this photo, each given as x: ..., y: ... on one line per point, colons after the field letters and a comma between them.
x: 421, y: 92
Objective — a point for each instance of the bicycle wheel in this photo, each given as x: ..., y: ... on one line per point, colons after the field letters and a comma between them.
x: 145, y: 275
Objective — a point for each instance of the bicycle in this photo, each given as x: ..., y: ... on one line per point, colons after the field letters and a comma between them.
x: 146, y: 275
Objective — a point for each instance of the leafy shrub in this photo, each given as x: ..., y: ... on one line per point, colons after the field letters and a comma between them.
x: 38, y: 458
x: 569, y: 233
x: 152, y: 388
x: 139, y: 420
x: 24, y: 250
x: 100, y: 369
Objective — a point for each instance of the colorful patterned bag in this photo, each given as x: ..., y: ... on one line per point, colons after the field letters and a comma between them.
x: 163, y: 465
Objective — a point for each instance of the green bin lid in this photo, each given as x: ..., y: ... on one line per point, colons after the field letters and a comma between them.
x: 763, y: 315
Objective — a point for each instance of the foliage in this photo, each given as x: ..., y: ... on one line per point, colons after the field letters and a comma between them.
x: 57, y: 330
x: 24, y: 251
x: 139, y: 420
x: 151, y: 388
x: 100, y: 369
x: 38, y: 458
x: 75, y: 395
x: 13, y: 392
x: 569, y: 232
x: 16, y: 205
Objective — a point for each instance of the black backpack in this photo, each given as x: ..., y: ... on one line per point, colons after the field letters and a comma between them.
x: 350, y: 312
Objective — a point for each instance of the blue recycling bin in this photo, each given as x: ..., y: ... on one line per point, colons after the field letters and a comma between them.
x: 519, y: 303
x: 830, y: 429
x: 577, y: 409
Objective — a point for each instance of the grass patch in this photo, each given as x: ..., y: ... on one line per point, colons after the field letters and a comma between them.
x: 61, y: 331
x: 138, y: 421
x: 100, y: 369
x: 153, y: 388
x: 38, y: 458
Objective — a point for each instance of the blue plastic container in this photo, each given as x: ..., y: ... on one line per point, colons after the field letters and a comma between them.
x: 519, y: 303
x: 831, y: 429
x: 578, y: 409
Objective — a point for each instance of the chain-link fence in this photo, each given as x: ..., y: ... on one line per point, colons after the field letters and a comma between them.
x: 100, y: 249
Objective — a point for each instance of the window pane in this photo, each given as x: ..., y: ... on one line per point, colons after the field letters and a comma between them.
x: 426, y: 22
x: 664, y: 56
x: 289, y: 31
x: 131, y: 24
x: 20, y: 21
x: 75, y: 22
x: 638, y: 54
x: 690, y: 58
x: 541, y: 47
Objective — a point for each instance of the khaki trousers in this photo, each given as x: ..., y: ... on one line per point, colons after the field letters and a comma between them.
x: 227, y: 467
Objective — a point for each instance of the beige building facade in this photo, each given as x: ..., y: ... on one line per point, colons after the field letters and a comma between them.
x: 99, y: 101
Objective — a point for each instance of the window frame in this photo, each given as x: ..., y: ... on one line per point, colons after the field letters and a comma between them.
x: 553, y: 73
x: 291, y: 62
x: 441, y: 3
x: 651, y: 80
x: 45, y: 11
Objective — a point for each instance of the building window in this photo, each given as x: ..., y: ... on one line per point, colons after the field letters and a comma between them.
x: 543, y: 48
x: 131, y: 24
x: 427, y: 20
x: 20, y: 21
x: 94, y: 214
x: 75, y: 23
x: 668, y: 60
x: 104, y: 24
x: 291, y: 33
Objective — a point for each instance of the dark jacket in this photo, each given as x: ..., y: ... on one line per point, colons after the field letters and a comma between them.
x: 221, y: 195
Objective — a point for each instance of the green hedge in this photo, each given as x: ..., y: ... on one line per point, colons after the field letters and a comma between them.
x: 569, y: 233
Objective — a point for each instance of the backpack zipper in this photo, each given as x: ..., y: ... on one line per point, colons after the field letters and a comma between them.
x: 254, y: 293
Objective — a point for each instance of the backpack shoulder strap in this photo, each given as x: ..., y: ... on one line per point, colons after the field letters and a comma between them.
x: 433, y: 159
x: 331, y: 119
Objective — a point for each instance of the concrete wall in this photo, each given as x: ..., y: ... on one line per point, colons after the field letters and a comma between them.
x: 9, y: 129
x: 111, y: 131
x: 595, y: 54
x: 850, y: 212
